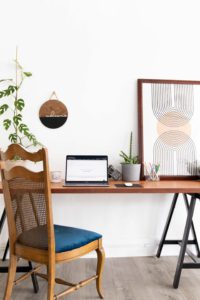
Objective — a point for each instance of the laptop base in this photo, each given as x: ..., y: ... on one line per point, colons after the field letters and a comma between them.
x: 66, y: 184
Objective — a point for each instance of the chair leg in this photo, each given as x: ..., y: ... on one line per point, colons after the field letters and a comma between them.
x: 51, y: 281
x: 100, y: 264
x: 11, y: 277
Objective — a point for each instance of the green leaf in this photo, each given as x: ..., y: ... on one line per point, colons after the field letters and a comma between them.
x: 157, y: 168
x: 7, y: 92
x: 10, y: 90
x: 23, y: 128
x: 128, y: 160
x: 19, y: 104
x: 35, y: 143
x: 17, y: 119
x: 9, y: 79
x: 3, y: 108
x: 124, y: 155
x: 13, y: 138
x: 31, y: 137
x: 6, y: 124
x: 27, y: 74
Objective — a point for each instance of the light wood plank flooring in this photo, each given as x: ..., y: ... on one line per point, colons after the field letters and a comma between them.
x: 137, y: 278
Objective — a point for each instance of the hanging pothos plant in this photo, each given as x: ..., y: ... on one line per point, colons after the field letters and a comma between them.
x: 12, y: 107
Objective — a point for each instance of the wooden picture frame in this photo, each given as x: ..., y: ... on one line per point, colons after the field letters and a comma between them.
x: 168, y: 127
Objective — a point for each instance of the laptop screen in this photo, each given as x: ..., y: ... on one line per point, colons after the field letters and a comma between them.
x: 86, y: 168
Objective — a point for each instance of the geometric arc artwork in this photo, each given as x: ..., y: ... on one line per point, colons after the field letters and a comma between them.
x: 169, y: 125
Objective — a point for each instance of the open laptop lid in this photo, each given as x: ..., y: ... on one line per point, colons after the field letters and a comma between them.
x: 86, y: 169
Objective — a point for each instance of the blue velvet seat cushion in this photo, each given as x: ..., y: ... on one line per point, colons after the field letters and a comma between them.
x: 66, y: 238
x: 69, y: 238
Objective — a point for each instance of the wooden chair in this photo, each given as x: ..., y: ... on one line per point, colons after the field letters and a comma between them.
x: 32, y: 234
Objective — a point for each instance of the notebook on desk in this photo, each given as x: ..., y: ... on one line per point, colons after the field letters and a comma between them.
x: 86, y: 170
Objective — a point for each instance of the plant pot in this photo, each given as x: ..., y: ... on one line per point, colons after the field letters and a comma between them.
x: 131, y: 172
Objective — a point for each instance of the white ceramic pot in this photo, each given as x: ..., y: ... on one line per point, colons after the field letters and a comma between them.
x: 131, y: 172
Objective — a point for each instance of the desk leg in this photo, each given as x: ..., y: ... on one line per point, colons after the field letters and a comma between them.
x: 19, y: 269
x: 163, y: 238
x: 184, y: 242
x: 34, y: 279
x: 3, y: 217
x: 192, y: 227
x: 5, y: 251
x: 2, y: 221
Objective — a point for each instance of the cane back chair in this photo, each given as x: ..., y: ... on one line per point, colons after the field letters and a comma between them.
x: 32, y: 234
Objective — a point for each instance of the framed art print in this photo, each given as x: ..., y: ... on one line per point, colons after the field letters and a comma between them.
x: 169, y: 126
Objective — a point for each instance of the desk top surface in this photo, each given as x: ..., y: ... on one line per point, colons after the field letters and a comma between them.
x: 163, y: 186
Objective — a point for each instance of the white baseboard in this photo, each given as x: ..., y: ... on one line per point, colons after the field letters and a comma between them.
x: 143, y: 248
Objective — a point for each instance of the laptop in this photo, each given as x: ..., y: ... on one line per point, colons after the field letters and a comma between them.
x: 86, y: 170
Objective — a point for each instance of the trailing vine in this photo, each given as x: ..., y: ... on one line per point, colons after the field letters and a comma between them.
x: 19, y: 132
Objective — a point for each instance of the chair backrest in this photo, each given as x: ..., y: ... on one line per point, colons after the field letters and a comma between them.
x: 27, y: 195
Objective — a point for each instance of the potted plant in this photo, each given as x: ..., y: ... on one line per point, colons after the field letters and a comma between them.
x: 131, y: 165
x: 12, y: 107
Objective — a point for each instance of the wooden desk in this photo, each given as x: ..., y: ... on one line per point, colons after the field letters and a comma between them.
x: 148, y: 187
x: 159, y: 187
x: 175, y: 187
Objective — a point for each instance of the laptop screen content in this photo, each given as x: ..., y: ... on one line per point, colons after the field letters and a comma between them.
x: 87, y: 168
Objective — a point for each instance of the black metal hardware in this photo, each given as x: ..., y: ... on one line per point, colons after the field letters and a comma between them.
x: 20, y: 268
x: 190, y: 206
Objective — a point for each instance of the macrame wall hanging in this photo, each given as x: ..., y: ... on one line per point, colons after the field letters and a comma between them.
x: 53, y: 113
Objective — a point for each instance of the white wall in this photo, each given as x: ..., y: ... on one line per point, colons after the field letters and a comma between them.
x: 91, y: 52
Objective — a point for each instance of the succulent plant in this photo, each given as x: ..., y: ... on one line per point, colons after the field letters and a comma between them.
x: 129, y: 158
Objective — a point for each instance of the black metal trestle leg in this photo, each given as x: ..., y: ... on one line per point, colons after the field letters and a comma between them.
x: 19, y: 269
x: 163, y: 238
x: 5, y: 251
x: 184, y: 242
x: 34, y: 279
x: 192, y: 227
x: 3, y: 217
x: 2, y: 221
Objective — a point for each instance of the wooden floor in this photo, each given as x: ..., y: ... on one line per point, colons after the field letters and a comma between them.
x: 137, y: 278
